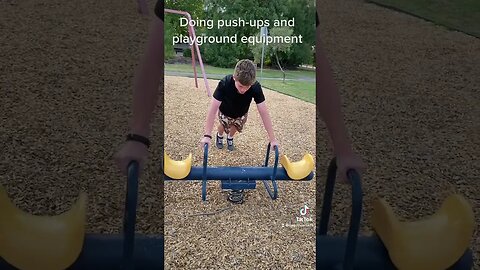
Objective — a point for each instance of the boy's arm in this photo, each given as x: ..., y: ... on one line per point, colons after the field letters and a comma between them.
x: 212, y: 110
x: 329, y: 106
x: 147, y: 81
x: 267, y: 122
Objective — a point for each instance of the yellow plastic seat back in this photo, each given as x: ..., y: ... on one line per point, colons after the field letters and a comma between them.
x: 435, y: 242
x: 30, y: 242
x: 177, y: 169
x: 300, y: 169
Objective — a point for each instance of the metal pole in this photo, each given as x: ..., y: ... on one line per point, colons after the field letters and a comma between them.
x: 263, y: 32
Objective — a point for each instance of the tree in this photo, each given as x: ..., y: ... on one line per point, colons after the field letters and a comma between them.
x: 227, y: 54
x: 273, y: 50
x: 194, y: 7
x: 304, y: 13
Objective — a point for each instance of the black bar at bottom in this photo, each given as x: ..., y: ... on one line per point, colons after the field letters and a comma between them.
x: 105, y: 251
x: 371, y: 254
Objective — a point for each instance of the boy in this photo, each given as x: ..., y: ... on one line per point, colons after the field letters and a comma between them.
x: 232, y: 100
x: 147, y: 82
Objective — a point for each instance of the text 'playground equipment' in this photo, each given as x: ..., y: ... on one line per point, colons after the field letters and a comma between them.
x: 240, y: 178
x: 29, y: 242
x: 438, y: 242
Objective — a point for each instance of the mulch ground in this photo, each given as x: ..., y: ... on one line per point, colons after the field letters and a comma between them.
x: 410, y: 94
x: 260, y: 233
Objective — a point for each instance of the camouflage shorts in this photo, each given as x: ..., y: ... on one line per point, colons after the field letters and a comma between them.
x: 227, y: 122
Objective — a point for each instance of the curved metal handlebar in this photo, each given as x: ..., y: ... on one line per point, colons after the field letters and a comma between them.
x: 129, y: 218
x: 355, y: 181
x: 273, y: 194
x: 204, y: 176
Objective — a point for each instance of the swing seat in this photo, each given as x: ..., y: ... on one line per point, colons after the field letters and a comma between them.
x: 177, y: 169
x: 30, y: 242
x: 434, y: 242
x: 299, y: 169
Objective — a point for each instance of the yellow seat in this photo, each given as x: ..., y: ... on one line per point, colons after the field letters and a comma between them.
x: 177, y: 169
x: 435, y: 242
x: 41, y: 242
x: 300, y: 169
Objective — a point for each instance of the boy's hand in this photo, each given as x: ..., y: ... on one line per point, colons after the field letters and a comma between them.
x: 131, y: 150
x: 203, y: 141
x: 273, y: 143
x: 346, y: 162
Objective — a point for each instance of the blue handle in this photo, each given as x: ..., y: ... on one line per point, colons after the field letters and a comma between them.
x: 273, y: 194
x: 204, y: 176
x: 129, y: 218
x: 356, y: 215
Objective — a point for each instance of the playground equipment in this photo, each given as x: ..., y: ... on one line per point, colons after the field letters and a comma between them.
x: 437, y: 242
x: 240, y: 178
x: 29, y: 242
x: 191, y: 33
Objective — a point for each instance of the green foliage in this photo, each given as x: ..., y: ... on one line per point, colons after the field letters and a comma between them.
x: 187, y: 52
x: 226, y: 55
x: 304, y: 13
x: 194, y: 7
x: 168, y: 46
x: 273, y: 49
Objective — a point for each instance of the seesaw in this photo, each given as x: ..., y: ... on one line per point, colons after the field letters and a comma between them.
x: 240, y: 178
x: 29, y: 242
x: 437, y: 242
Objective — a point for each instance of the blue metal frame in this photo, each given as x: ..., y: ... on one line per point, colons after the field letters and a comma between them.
x: 274, y: 173
x: 241, y: 177
x: 356, y: 214
x: 129, y: 218
x: 204, y: 175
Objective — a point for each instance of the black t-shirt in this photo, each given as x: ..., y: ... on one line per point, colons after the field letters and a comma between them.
x: 235, y: 104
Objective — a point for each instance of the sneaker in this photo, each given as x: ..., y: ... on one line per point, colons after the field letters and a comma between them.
x: 219, y: 141
x: 230, y: 144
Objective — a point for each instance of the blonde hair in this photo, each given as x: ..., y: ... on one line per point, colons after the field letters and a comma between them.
x: 245, y: 72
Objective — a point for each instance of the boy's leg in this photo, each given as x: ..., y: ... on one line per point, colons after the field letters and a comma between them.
x: 233, y: 130
x: 236, y: 126
x: 219, y: 137
x: 222, y: 128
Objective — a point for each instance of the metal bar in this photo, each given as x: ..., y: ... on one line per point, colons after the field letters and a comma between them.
x: 192, y: 32
x: 327, y: 197
x: 204, y: 172
x: 273, y: 194
x: 129, y: 218
x: 354, y: 178
x: 355, y: 218
x: 238, y: 173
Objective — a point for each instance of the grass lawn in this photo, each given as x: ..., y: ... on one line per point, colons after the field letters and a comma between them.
x: 303, y: 86
x: 462, y: 15
x: 299, y: 89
